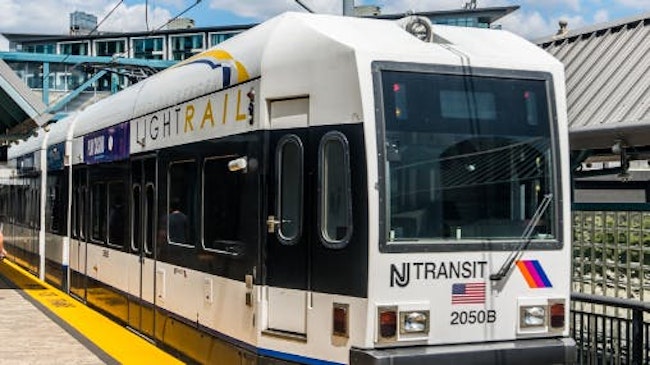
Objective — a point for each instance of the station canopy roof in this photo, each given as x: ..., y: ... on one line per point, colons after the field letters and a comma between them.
x: 20, y: 108
x: 608, y: 82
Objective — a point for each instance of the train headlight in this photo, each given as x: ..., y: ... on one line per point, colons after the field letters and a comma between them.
x: 414, y: 322
x: 532, y: 316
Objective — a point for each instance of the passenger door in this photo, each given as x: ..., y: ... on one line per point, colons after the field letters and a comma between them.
x: 34, y: 225
x: 143, y: 230
x: 78, y: 245
x: 287, y: 249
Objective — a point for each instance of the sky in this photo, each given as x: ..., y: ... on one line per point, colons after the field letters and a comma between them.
x: 535, y: 19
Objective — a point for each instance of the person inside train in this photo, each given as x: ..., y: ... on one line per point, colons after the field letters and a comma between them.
x: 177, y: 223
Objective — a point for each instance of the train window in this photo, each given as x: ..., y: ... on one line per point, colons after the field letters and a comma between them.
x: 149, y: 215
x: 81, y: 210
x: 98, y: 212
x: 289, y: 159
x: 74, y: 225
x: 73, y: 215
x: 26, y: 220
x: 467, y: 159
x: 19, y: 204
x: 222, y: 195
x: 180, y: 200
x: 335, y: 201
x: 55, y: 216
x: 136, y: 218
x: 28, y: 213
x: 51, y: 224
x: 117, y: 214
x: 33, y: 217
x: 24, y: 205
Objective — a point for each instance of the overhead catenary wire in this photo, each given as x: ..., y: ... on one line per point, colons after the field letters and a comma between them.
x: 179, y: 14
x: 304, y: 6
x: 106, y: 17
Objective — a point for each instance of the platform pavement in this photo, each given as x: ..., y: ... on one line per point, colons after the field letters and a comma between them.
x: 42, y: 325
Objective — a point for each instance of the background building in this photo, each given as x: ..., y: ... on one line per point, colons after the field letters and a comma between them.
x: 82, y: 23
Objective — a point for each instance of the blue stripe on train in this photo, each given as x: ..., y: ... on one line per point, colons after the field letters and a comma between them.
x: 294, y: 358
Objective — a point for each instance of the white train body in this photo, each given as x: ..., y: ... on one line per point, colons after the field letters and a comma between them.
x: 350, y: 194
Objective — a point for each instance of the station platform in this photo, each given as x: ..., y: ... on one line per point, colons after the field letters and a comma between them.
x: 39, y: 324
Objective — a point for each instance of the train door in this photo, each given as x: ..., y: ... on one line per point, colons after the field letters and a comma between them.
x: 78, y: 244
x: 287, y: 250
x: 143, y: 230
x: 33, y: 224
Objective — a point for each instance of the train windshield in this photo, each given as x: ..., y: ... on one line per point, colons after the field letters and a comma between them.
x: 467, y: 158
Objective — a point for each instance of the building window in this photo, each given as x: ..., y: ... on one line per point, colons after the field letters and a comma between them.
x: 40, y: 48
x: 216, y: 38
x: 335, y: 200
x: 184, y: 47
x: 109, y: 48
x: 180, y: 205
x: 148, y: 48
x: 74, y: 49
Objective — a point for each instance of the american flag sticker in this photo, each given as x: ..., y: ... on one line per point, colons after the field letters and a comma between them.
x: 468, y: 293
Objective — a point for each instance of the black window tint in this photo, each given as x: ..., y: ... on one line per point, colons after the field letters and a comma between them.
x: 81, y: 211
x: 149, y: 215
x: 467, y: 158
x: 73, y: 216
x: 98, y: 212
x: 53, y: 192
x: 56, y: 203
x: 136, y: 219
x: 290, y: 188
x: 117, y: 214
x: 335, y: 200
x: 222, y: 192
x: 182, y: 177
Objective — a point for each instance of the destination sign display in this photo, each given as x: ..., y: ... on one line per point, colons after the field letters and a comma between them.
x: 106, y: 145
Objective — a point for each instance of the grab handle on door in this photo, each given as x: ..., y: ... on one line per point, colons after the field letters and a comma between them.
x: 271, y: 223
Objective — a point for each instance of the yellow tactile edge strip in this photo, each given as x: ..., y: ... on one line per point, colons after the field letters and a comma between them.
x: 118, y: 342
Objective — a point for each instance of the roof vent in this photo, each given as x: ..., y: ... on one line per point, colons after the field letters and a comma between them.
x: 470, y: 5
x: 564, y: 28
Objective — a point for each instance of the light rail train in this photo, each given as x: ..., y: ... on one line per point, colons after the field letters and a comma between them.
x: 319, y: 190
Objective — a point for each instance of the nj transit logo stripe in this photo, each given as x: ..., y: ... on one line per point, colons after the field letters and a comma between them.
x: 233, y: 70
x: 534, y: 274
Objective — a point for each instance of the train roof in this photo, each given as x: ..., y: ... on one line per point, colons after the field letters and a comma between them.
x: 59, y: 131
x: 298, y: 38
x: 30, y: 145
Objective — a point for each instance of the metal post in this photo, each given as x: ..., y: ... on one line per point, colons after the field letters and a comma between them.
x: 348, y: 7
x: 637, y: 337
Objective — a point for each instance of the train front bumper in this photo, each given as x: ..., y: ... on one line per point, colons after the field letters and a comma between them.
x: 529, y: 352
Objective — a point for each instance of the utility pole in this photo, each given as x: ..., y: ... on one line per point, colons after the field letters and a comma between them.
x: 348, y: 7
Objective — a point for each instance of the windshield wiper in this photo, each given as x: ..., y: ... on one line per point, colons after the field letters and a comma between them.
x: 525, y: 239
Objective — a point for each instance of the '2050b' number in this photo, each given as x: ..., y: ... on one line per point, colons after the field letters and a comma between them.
x: 472, y: 317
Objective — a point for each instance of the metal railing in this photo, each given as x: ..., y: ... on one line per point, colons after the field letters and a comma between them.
x: 610, y: 330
